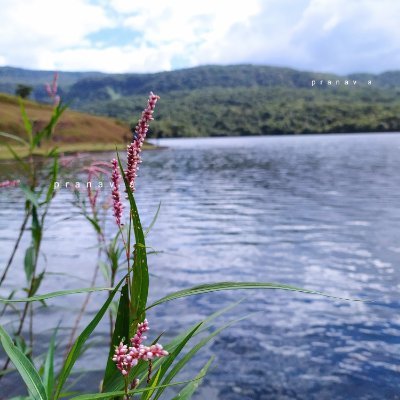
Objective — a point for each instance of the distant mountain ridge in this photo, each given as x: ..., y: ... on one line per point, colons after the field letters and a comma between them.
x: 129, y: 84
x: 224, y: 100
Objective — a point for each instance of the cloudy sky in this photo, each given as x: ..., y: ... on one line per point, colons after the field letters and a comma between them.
x: 339, y: 36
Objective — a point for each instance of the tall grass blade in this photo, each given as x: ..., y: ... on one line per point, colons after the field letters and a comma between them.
x: 30, y: 195
x: 21, y: 162
x: 187, y: 392
x: 81, y: 340
x: 140, y: 283
x: 24, y: 367
x: 188, y: 356
x: 14, y: 137
x: 215, y: 287
x: 51, y: 295
x: 54, y: 173
x: 49, y: 128
x: 178, y: 343
x: 153, y: 221
x: 110, y: 395
x: 27, y: 122
x: 29, y: 262
x: 167, y: 362
x: 154, y: 383
x: 121, y: 332
x: 48, y: 372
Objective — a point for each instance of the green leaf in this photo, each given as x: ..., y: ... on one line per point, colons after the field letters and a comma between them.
x: 26, y: 121
x: 24, y: 366
x: 53, y: 152
x: 50, y: 295
x: 168, y: 360
x: 14, y: 137
x: 155, y: 380
x: 94, y: 223
x: 10, y: 296
x: 29, y: 262
x: 21, y: 162
x: 140, y: 282
x: 187, y: 357
x: 19, y: 342
x: 48, y: 374
x: 54, y: 173
x: 109, y: 395
x: 37, y: 280
x: 81, y: 340
x: 6, y: 371
x: 187, y: 392
x: 153, y: 221
x: 215, y: 287
x: 47, y: 131
x: 121, y: 332
x: 141, y: 368
x: 30, y: 195
x: 104, y: 270
x: 36, y: 230
x: 178, y: 343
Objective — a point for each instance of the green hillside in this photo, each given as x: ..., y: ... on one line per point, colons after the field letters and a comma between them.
x: 232, y: 100
x: 76, y: 131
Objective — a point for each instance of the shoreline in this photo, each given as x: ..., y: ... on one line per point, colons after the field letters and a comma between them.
x: 71, y: 148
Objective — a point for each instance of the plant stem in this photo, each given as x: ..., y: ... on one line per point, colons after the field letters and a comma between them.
x: 127, y: 252
x: 21, y: 325
x: 85, y: 303
x: 31, y: 328
x: 31, y: 283
x: 127, y: 397
x: 21, y: 232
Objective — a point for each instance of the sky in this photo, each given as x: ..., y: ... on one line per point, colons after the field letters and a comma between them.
x: 339, y: 36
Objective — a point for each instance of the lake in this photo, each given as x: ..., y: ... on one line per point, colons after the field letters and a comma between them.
x: 318, y: 212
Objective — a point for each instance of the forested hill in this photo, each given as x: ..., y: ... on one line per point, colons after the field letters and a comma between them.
x: 230, y: 100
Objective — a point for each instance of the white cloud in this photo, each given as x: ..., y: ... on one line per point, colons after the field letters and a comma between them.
x: 331, y: 35
x: 328, y: 35
x: 32, y: 32
x: 113, y: 59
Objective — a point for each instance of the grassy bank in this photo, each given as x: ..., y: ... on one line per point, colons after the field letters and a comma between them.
x: 76, y: 132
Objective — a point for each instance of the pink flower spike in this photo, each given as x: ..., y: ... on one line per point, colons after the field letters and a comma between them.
x: 54, y: 85
x: 135, y: 148
x: 48, y: 90
x: 117, y: 205
x: 9, y: 183
x: 52, y: 90
x: 56, y: 100
x: 125, y: 358
x: 137, y: 340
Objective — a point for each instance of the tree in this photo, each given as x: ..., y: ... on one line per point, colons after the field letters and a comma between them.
x: 23, y: 91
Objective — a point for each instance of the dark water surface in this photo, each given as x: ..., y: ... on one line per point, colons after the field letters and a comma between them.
x: 320, y: 212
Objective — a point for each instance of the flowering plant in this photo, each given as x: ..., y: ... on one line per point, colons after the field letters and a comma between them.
x: 132, y: 367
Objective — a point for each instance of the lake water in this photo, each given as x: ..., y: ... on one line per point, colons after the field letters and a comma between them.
x: 319, y: 212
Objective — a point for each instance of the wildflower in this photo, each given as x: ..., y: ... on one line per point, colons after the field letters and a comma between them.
x: 126, y: 357
x: 52, y: 90
x: 9, y: 183
x: 115, y: 177
x: 135, y: 148
x: 137, y: 340
x: 66, y: 161
x: 123, y: 361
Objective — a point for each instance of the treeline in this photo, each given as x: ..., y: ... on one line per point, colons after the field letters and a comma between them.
x: 263, y: 111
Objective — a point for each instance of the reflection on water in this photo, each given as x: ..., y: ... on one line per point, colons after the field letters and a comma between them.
x: 321, y: 212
